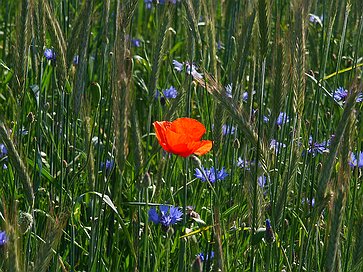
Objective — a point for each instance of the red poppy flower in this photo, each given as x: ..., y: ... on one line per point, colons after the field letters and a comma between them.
x: 182, y: 137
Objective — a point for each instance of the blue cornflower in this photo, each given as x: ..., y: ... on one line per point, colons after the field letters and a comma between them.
x: 265, y: 119
x: 308, y: 201
x: 226, y: 129
x: 316, y: 19
x: 315, y: 148
x: 178, y: 65
x: 243, y: 163
x: 136, y: 42
x: 275, y: 145
x: 108, y: 165
x: 207, y: 257
x: 245, y: 96
x: 3, y: 153
x: 354, y: 162
x: 170, y: 93
x: 229, y: 90
x: 190, y: 69
x: 49, y: 54
x: 212, y: 174
x: 148, y: 3
x: 340, y: 94
x: 359, y: 98
x: 282, y: 119
x: 261, y: 181
x: 76, y: 60
x: 167, y: 216
x: 3, y: 238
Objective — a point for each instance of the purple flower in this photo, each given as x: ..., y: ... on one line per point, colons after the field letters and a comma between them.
x: 178, y: 65
x: 265, y: 119
x: 243, y: 164
x: 261, y: 181
x: 207, y: 257
x: 315, y: 148
x: 190, y: 69
x: 308, y: 201
x: 359, y: 98
x: 3, y: 238
x: 170, y: 93
x: 354, y: 162
x: 148, y: 3
x: 108, y: 165
x: 3, y: 151
x: 167, y: 216
x: 282, y: 119
x: 275, y: 145
x: 136, y: 42
x: 229, y: 90
x: 340, y: 94
x: 76, y: 60
x: 226, y: 129
x: 212, y: 174
x: 49, y: 54
x: 316, y: 19
x: 245, y: 96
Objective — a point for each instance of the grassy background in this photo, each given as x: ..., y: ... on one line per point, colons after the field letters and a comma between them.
x: 63, y: 210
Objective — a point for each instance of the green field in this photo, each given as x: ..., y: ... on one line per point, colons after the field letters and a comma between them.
x: 181, y: 135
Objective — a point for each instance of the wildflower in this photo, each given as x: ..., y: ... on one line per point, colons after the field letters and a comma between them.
x: 212, y: 174
x: 243, y: 163
x: 315, y: 148
x: 226, y: 129
x: 3, y: 151
x: 308, y: 201
x: 245, y: 96
x: 76, y: 60
x: 3, y: 154
x: 207, y: 257
x: 182, y: 137
x: 261, y: 181
x: 136, y: 42
x: 229, y: 90
x: 269, y: 234
x: 178, y: 65
x: 354, y: 162
x: 168, y: 93
x: 190, y: 69
x: 282, y: 119
x: 148, y: 3
x: 316, y: 19
x: 341, y: 94
x: 3, y: 238
x: 275, y: 145
x: 108, y: 165
x: 167, y: 216
x: 265, y: 119
x: 49, y: 54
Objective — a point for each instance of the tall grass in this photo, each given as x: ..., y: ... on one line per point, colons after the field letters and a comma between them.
x: 80, y: 166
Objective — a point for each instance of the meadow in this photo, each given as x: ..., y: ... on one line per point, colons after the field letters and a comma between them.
x: 181, y: 135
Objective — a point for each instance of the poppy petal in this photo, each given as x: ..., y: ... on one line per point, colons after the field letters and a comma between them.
x: 160, y: 131
x: 188, y: 126
x: 205, y: 147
